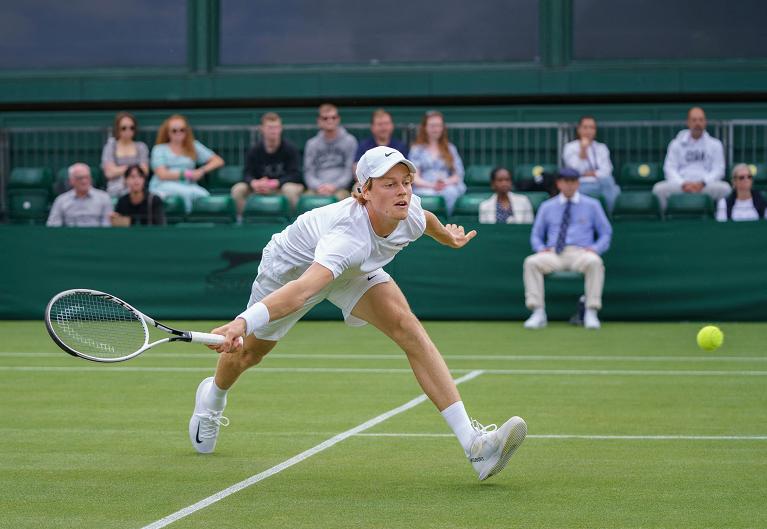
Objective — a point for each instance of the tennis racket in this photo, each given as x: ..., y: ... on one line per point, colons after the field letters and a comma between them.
x: 99, y: 327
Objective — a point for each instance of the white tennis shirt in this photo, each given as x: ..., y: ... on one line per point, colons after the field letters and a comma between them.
x: 340, y: 238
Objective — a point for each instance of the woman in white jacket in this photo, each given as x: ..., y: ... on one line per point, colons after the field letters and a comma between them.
x: 505, y: 207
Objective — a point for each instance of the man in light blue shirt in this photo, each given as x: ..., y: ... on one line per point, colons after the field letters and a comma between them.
x: 570, y: 232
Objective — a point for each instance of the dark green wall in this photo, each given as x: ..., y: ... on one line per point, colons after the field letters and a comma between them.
x: 555, y: 78
x: 675, y: 270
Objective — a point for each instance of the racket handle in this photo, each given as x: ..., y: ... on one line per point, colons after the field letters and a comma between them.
x: 206, y: 338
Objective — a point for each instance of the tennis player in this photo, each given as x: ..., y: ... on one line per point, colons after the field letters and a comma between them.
x: 337, y: 252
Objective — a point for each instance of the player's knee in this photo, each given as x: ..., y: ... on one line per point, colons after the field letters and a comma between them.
x: 405, y: 327
x: 251, y: 356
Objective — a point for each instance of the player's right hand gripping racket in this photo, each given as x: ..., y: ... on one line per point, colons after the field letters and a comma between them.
x: 99, y: 327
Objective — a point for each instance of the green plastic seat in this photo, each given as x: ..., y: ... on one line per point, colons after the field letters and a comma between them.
x: 689, y: 206
x: 636, y: 205
x: 536, y: 198
x: 266, y: 209
x: 220, y: 182
x: 467, y: 207
x: 28, y: 206
x: 219, y: 209
x: 640, y: 175
x: 175, y: 210
x: 601, y: 199
x: 436, y: 204
x: 310, y: 202
x: 477, y: 178
x: 529, y: 171
x: 40, y: 178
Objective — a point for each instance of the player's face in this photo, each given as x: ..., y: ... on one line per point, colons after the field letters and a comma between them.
x: 502, y: 182
x: 390, y: 194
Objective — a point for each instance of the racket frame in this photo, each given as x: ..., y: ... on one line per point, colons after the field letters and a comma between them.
x: 178, y: 336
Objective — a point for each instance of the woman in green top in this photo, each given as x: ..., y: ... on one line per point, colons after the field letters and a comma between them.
x: 179, y: 162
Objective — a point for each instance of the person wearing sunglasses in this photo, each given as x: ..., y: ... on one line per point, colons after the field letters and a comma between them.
x: 121, y: 151
x: 179, y: 162
x: 744, y: 203
x: 329, y: 156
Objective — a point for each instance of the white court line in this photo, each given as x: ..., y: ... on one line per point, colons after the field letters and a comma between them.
x: 362, y: 370
x: 295, y: 459
x: 597, y: 437
x: 505, y: 358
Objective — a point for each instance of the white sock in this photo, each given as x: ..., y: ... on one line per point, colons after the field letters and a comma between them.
x: 459, y: 422
x: 216, y: 398
x: 540, y: 310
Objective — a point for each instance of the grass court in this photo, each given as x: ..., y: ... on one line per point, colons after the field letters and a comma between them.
x: 632, y: 426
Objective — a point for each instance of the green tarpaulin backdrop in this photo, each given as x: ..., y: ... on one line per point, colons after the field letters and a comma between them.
x: 682, y: 270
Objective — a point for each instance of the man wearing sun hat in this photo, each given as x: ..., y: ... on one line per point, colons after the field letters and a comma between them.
x: 563, y: 238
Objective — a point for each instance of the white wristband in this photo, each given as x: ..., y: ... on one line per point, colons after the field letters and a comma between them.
x: 255, y: 316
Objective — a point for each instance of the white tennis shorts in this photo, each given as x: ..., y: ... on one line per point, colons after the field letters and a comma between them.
x: 343, y: 292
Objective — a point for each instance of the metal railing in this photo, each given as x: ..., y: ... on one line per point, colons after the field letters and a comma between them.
x: 507, y: 144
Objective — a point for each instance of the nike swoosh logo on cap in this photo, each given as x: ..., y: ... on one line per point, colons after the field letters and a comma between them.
x: 388, y: 154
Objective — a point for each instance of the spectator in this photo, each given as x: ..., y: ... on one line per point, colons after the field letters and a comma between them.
x: 122, y: 151
x: 440, y: 169
x: 138, y: 207
x: 505, y: 207
x: 743, y: 203
x: 592, y: 161
x: 329, y: 156
x: 175, y: 159
x: 271, y: 165
x: 82, y: 206
x: 381, y: 128
x: 563, y: 238
x: 694, y: 162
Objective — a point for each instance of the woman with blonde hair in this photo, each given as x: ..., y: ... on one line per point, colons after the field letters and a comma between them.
x: 440, y: 168
x: 121, y: 151
x: 179, y: 162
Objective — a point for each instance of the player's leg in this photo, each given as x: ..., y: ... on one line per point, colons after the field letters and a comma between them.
x: 534, y: 268
x: 385, y: 307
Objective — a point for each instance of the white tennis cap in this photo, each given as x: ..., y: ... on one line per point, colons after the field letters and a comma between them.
x: 377, y: 161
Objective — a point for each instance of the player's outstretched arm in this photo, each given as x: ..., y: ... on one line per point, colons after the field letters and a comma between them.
x: 284, y: 301
x: 450, y: 234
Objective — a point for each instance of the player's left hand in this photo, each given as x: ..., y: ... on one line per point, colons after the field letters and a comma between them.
x: 458, y: 238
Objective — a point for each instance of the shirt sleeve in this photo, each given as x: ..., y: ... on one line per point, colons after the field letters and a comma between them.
x: 106, y: 211
x: 203, y: 153
x: 56, y: 217
x: 538, y: 233
x: 158, y: 210
x: 717, y: 166
x: 603, y: 228
x: 108, y: 153
x: 671, y: 164
x: 604, y: 162
x: 418, y: 216
x: 340, y: 250
x: 721, y: 210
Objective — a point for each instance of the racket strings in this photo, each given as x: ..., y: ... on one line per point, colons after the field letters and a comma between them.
x: 97, y: 326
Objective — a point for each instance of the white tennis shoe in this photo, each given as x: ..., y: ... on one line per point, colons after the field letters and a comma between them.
x: 205, y: 423
x: 493, y: 447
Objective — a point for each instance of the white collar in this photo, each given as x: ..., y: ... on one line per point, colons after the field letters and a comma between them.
x: 575, y: 199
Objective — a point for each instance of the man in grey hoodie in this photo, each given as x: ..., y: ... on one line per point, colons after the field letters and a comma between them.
x: 329, y: 156
x: 694, y: 162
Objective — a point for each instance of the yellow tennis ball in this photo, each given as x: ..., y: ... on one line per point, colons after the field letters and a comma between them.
x: 710, y: 337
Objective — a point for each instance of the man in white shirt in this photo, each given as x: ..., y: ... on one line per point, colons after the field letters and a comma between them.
x: 337, y: 253
x: 694, y: 162
x: 82, y: 206
x: 592, y: 161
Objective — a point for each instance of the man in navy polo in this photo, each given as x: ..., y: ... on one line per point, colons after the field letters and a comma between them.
x: 570, y: 232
